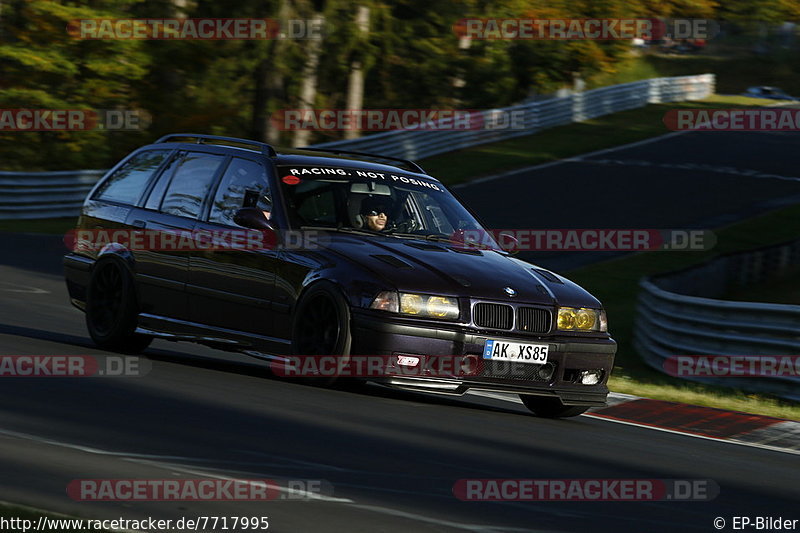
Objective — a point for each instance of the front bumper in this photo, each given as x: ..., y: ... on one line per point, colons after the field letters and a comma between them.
x: 567, y: 356
x: 77, y: 270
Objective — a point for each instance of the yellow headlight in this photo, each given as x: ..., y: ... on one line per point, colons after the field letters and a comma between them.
x: 566, y: 318
x: 411, y: 304
x: 585, y: 319
x: 441, y: 307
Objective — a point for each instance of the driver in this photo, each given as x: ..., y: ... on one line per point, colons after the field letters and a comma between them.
x: 375, y: 211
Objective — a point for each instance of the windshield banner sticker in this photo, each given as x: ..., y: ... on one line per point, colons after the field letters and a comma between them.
x: 383, y: 176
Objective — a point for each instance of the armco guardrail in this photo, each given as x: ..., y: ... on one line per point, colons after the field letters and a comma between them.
x: 45, y: 194
x: 677, y: 315
x: 416, y: 144
x: 52, y: 194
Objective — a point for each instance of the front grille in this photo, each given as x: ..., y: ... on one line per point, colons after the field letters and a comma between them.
x: 533, y: 320
x: 495, y: 316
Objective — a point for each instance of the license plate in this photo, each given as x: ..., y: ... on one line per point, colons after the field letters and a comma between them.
x: 515, y: 351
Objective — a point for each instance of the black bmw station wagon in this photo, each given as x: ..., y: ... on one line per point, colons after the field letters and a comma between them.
x: 385, y: 275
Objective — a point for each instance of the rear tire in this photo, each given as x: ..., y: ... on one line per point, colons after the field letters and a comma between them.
x: 321, y: 327
x: 545, y: 407
x: 112, y: 310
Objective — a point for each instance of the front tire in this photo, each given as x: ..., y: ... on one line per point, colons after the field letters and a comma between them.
x: 111, y: 310
x: 321, y: 326
x: 546, y: 407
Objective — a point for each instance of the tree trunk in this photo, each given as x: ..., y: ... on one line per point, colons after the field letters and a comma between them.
x: 268, y: 85
x: 258, y: 122
x: 308, y: 87
x: 355, y: 83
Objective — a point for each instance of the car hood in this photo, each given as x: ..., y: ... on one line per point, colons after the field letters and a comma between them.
x: 416, y: 265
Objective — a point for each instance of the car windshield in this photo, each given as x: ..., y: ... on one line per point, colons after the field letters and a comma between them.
x: 395, y: 204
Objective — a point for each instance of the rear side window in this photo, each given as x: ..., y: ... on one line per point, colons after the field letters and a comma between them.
x: 127, y: 184
x: 191, y: 184
x: 243, y: 177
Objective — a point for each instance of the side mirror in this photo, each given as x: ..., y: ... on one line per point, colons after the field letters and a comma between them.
x: 252, y: 218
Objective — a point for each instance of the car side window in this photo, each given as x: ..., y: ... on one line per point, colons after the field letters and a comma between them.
x: 243, y: 180
x: 127, y: 184
x: 316, y: 203
x: 190, y: 184
x: 157, y: 193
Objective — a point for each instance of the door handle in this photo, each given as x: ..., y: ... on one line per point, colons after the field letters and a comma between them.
x: 141, y: 224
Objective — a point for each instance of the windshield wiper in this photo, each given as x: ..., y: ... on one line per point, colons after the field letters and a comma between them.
x: 466, y: 244
x: 438, y: 237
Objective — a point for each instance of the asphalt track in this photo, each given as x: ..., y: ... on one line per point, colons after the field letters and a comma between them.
x: 392, y: 458
x: 696, y: 180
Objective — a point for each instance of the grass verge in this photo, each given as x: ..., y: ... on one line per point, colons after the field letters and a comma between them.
x: 782, y: 290
x: 567, y: 141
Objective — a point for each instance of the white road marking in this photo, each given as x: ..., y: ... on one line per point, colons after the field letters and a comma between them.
x: 575, y: 159
x: 581, y: 158
x: 146, y: 459
x: 204, y: 473
x: 515, y: 399
x: 446, y: 523
x: 57, y: 515
x: 22, y: 288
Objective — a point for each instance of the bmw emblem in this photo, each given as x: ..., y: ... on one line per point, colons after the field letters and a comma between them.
x: 510, y: 291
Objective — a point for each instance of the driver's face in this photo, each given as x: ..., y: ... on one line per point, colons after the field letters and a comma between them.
x: 376, y: 222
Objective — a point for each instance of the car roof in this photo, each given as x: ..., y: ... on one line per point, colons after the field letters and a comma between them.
x: 298, y: 156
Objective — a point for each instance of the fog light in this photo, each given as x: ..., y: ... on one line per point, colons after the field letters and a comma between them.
x: 590, y: 377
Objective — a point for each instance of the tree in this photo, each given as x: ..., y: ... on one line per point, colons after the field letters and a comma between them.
x: 44, y: 67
